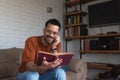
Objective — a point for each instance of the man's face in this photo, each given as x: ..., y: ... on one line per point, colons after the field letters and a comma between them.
x: 51, y: 32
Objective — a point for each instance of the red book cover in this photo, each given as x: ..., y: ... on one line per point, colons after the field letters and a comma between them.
x: 53, y: 56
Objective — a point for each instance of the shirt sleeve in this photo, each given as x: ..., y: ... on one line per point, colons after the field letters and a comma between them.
x: 29, y: 52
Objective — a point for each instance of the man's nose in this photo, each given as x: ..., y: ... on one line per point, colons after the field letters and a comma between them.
x: 51, y: 34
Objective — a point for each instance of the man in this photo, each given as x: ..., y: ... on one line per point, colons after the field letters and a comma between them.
x: 49, y: 42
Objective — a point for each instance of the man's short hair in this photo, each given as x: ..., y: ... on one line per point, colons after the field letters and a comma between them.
x: 54, y: 22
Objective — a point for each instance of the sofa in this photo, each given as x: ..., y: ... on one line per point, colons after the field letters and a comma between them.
x: 10, y: 60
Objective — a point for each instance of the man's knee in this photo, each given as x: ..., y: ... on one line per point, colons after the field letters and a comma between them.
x: 32, y: 76
x: 28, y: 75
x: 60, y: 72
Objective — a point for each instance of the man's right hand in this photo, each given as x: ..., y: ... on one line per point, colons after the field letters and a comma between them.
x: 50, y: 65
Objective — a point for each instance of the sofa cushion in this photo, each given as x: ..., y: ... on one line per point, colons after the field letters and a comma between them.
x: 20, y: 52
x: 9, y: 60
x: 9, y: 78
x: 74, y: 76
x: 75, y: 64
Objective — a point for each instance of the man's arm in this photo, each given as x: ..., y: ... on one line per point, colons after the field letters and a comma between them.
x: 31, y: 66
x: 45, y: 65
x: 56, y: 46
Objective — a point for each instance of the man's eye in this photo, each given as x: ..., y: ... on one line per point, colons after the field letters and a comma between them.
x: 48, y: 31
x: 55, y: 33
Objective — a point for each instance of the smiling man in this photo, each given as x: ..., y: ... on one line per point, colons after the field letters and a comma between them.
x: 49, y: 42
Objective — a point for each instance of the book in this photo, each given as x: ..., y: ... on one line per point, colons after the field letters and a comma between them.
x: 66, y: 56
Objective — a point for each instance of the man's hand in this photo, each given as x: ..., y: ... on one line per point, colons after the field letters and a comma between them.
x: 56, y: 42
x: 45, y: 65
x: 53, y: 64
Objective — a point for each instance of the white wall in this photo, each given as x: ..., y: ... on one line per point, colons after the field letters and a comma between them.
x: 92, y: 57
x: 20, y: 19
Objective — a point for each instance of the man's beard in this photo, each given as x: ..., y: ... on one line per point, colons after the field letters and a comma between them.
x: 47, y: 36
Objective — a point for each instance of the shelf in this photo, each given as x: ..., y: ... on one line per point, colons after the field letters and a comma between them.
x: 72, y: 3
x: 86, y: 1
x: 100, y: 51
x: 73, y: 25
x: 76, y: 2
x: 102, y: 66
x: 76, y: 13
x: 93, y: 36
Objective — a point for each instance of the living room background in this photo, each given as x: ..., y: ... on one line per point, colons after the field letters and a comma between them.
x: 20, y: 19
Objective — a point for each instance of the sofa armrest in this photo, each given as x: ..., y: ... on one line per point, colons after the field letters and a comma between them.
x: 78, y: 65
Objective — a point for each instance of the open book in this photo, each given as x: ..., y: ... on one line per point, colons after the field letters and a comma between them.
x: 66, y: 56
